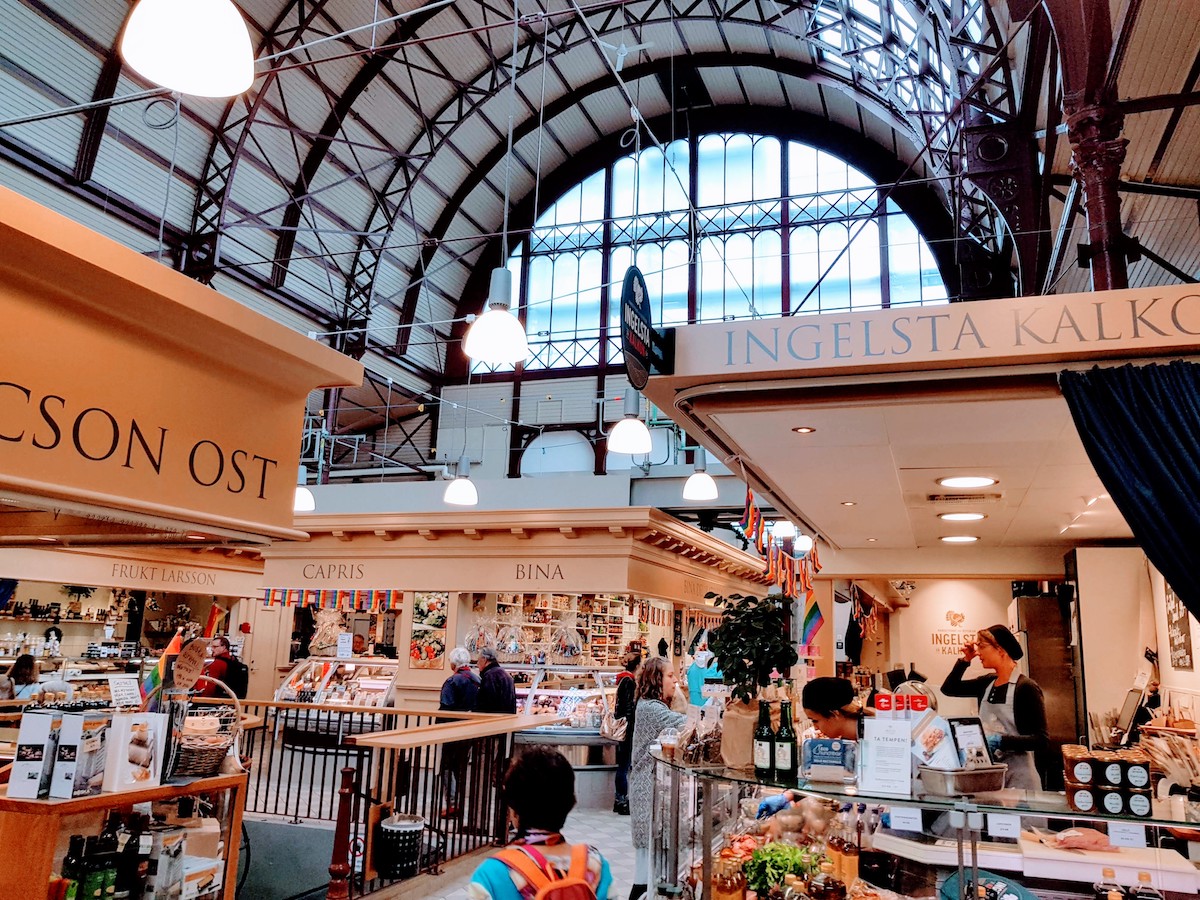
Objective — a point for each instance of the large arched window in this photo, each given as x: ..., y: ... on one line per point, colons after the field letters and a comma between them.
x: 774, y: 227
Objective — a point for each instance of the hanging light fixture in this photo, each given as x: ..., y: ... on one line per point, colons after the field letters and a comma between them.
x: 497, y: 336
x: 700, y: 485
x: 803, y: 543
x: 199, y: 47
x: 630, y: 435
x: 305, y: 501
x: 461, y: 490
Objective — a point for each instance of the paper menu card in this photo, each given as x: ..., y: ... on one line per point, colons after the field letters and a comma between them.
x: 37, y: 741
x: 933, y: 744
x: 885, y: 761
x: 134, y: 754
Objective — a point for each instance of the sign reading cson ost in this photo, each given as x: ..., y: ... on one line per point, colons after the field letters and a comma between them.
x: 1016, y: 330
x: 646, y: 351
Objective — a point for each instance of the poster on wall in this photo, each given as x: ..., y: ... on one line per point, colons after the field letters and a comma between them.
x: 427, y: 646
x: 1179, y: 632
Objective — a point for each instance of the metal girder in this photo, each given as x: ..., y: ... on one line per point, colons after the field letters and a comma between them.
x: 95, y: 120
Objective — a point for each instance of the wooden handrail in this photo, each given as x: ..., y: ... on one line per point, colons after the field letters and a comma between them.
x: 446, y: 732
x: 341, y: 707
x: 339, y: 864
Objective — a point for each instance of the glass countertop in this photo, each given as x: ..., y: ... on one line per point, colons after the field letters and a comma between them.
x: 1008, y: 801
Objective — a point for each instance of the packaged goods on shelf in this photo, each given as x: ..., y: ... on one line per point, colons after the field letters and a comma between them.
x: 37, y: 741
x: 80, y: 757
x: 135, y: 745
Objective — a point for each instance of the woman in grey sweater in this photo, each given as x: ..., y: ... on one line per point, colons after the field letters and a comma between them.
x: 652, y: 716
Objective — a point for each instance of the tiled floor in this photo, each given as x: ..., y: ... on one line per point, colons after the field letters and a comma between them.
x: 606, y: 831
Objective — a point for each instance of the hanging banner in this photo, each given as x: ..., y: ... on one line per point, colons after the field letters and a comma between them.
x: 645, y: 349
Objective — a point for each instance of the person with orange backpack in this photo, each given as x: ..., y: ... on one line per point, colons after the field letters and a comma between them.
x: 539, y: 789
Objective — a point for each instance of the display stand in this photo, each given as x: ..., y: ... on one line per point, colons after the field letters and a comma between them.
x: 35, y: 832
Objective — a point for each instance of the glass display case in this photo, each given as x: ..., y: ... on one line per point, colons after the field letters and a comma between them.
x: 328, y: 680
x: 927, y: 844
x: 582, y: 695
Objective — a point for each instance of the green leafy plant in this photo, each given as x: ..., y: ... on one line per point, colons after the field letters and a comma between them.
x: 771, y: 862
x: 77, y: 591
x: 751, y: 640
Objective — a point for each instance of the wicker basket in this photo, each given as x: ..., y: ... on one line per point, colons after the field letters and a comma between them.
x: 202, y: 755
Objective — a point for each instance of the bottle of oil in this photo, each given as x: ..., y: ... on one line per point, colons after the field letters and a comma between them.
x: 1106, y: 885
x: 825, y: 885
x: 764, y: 740
x: 1144, y: 889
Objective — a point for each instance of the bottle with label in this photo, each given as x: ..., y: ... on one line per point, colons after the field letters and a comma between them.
x: 1144, y: 889
x: 825, y: 885
x: 850, y: 848
x: 785, y: 746
x: 72, y: 866
x: 1106, y: 885
x: 835, y: 846
x: 764, y: 740
x: 92, y: 873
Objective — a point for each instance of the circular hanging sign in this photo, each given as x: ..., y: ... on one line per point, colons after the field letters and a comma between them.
x: 189, y: 664
x: 636, y: 328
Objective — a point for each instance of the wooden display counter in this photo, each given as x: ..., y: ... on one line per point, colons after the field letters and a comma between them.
x: 35, y: 832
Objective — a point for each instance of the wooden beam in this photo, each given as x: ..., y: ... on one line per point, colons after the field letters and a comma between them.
x: 520, y: 534
x: 473, y: 533
x: 568, y: 532
x: 428, y: 534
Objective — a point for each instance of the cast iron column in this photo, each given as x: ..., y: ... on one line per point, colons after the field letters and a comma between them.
x: 1098, y: 151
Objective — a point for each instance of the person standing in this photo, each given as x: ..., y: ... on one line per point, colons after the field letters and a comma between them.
x: 1011, y: 705
x: 459, y: 694
x: 23, y: 677
x: 497, y: 693
x: 217, y: 667
x: 655, y: 690
x: 625, y: 708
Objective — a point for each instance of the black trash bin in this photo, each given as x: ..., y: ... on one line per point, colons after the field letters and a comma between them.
x: 400, y: 839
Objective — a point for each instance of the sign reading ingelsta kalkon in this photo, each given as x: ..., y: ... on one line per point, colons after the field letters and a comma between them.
x: 646, y: 350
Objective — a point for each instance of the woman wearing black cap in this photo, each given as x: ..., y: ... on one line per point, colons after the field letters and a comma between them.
x: 831, y: 705
x: 1011, y: 705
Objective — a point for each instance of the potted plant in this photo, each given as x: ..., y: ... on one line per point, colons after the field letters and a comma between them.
x: 751, y: 641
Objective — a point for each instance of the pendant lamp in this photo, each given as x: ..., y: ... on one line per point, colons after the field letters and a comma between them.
x: 199, y: 47
x: 305, y: 501
x: 461, y: 491
x: 803, y: 544
x: 630, y: 435
x: 497, y: 337
x: 700, y: 485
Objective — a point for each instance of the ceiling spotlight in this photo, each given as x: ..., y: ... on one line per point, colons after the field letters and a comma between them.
x: 700, y: 485
x: 872, y: 540
x: 630, y: 435
x: 959, y: 538
x: 804, y: 429
x: 305, y: 501
x: 192, y: 536
x: 199, y: 47
x: 497, y: 337
x: 47, y: 539
x: 849, y: 503
x: 967, y: 481
x: 961, y: 517
x: 461, y: 490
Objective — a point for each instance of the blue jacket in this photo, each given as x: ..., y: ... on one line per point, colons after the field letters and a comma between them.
x: 460, y: 691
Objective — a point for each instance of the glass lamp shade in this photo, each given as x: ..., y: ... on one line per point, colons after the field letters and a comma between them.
x: 199, y: 47
x: 497, y: 337
x: 461, y: 491
x: 305, y: 501
x: 803, y: 543
x: 630, y: 435
x: 700, y: 486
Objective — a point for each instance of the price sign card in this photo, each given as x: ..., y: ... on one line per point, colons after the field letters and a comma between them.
x: 1126, y: 834
x: 345, y: 645
x: 1003, y: 826
x: 125, y: 691
x: 905, y: 818
x: 884, y: 757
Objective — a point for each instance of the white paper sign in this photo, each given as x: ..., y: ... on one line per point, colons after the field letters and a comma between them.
x: 1003, y: 826
x: 345, y: 648
x: 885, y: 763
x: 1126, y: 834
x: 905, y: 818
x: 125, y: 691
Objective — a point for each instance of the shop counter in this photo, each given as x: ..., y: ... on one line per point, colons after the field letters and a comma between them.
x: 329, y: 680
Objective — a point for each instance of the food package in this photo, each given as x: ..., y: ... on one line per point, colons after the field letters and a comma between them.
x: 79, y: 759
x: 134, y: 752
x: 165, y: 869
x: 1077, y: 839
x: 204, y: 838
x: 202, y: 875
x: 37, y: 741
x: 828, y: 759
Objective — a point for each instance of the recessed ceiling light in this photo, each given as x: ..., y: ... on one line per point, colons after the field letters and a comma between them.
x: 47, y: 539
x: 961, y: 517
x: 192, y: 536
x: 872, y: 540
x: 967, y: 481
x: 960, y: 538
x: 804, y: 429
x: 849, y: 503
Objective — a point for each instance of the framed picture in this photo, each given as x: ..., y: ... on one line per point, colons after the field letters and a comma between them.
x: 971, y: 741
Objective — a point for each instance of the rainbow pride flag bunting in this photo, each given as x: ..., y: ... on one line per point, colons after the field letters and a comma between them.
x: 813, y: 620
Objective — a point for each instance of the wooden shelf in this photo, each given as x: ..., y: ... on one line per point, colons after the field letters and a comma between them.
x: 66, y: 807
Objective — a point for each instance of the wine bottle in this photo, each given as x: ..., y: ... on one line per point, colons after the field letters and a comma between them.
x: 785, y: 746
x: 764, y: 740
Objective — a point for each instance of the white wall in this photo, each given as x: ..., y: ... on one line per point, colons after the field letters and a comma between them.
x: 929, y: 632
x: 1115, y: 621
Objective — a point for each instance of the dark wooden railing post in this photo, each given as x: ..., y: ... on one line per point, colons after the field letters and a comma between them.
x: 339, y: 865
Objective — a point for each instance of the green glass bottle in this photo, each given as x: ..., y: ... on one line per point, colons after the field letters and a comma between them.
x: 764, y: 744
x: 785, y: 746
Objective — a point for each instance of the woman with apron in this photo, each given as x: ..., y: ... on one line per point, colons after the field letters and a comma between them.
x: 1011, y: 705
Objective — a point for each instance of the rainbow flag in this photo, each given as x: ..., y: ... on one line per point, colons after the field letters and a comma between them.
x: 155, y: 678
x: 813, y: 620
x: 215, y: 614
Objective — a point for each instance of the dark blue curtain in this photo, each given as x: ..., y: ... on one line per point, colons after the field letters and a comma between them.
x: 1140, y: 426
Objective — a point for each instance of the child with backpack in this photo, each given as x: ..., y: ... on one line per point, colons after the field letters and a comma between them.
x: 539, y: 789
